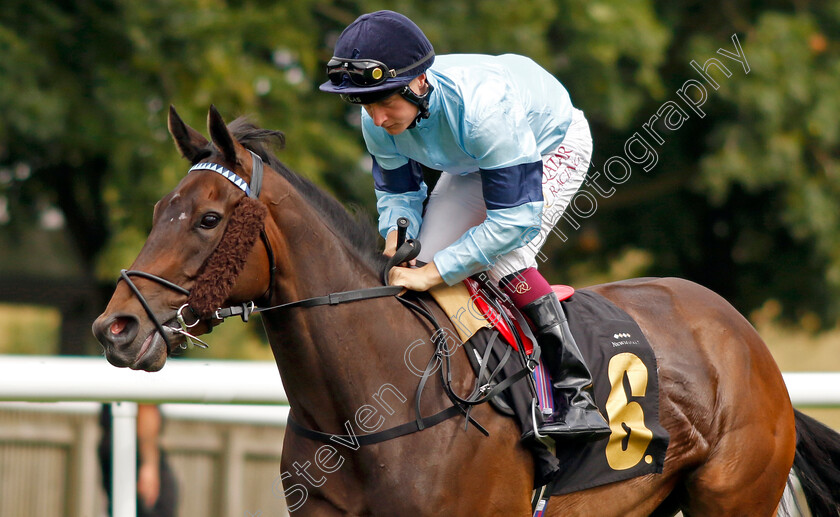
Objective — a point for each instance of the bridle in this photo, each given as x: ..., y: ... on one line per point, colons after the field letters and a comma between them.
x: 407, y: 251
x: 251, y: 190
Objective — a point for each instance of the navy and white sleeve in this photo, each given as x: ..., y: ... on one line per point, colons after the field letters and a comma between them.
x: 511, y: 177
x: 400, y: 192
x: 398, y: 181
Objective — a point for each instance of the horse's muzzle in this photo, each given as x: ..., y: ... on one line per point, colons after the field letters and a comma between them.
x: 127, y: 344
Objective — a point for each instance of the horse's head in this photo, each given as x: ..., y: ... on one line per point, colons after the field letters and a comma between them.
x: 200, y: 254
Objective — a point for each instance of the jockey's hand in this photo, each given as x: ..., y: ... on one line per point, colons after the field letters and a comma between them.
x: 391, y: 248
x: 417, y: 279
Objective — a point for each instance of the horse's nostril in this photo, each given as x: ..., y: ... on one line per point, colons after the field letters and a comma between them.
x: 118, y: 330
x: 118, y: 326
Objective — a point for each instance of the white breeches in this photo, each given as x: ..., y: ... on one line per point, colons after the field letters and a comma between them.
x: 457, y: 204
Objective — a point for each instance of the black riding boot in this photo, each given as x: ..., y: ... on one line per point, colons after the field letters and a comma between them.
x: 576, y: 417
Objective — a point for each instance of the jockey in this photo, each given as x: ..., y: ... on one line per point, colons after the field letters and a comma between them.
x: 512, y: 150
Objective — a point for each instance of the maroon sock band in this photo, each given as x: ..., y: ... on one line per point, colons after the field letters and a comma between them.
x: 523, y: 287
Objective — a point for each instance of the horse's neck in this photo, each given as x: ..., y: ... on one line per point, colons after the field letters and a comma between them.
x: 332, y: 357
x: 317, y: 261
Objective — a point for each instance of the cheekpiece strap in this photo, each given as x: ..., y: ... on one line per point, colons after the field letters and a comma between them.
x: 256, y: 175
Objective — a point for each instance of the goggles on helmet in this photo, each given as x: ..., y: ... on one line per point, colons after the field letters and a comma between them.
x: 362, y: 72
x: 365, y: 72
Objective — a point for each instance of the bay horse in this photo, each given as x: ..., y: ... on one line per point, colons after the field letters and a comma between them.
x: 733, y: 431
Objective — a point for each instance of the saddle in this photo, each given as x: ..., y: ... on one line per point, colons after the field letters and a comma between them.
x: 624, y: 373
x: 513, y: 331
x: 499, y: 343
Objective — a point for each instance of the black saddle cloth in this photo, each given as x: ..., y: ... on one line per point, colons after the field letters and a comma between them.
x: 626, y: 389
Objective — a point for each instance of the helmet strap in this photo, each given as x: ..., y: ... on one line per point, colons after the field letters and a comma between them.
x: 421, y: 101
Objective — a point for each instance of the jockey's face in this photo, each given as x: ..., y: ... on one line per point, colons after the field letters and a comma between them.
x: 394, y: 114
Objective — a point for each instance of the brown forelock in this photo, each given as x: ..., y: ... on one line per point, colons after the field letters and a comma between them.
x: 218, y: 275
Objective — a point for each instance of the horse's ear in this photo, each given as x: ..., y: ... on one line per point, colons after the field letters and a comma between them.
x: 189, y: 141
x: 220, y: 135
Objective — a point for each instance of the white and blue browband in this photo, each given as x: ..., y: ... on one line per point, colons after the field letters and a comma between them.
x: 256, y: 175
x: 227, y: 173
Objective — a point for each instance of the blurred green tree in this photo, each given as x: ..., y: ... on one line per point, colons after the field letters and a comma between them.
x: 743, y: 200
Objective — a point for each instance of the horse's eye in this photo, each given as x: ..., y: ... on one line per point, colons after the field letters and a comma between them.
x: 210, y: 221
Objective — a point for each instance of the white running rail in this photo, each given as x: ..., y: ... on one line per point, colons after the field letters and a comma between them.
x: 237, y: 391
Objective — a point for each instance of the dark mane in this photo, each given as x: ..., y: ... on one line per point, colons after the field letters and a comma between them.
x: 356, y: 228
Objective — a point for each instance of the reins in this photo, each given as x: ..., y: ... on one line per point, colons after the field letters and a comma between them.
x: 126, y: 275
x: 408, y: 250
